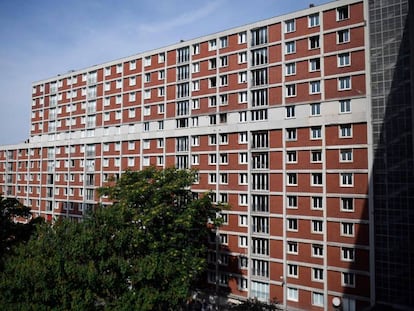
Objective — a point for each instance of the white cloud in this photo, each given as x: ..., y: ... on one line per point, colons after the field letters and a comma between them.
x: 181, y: 20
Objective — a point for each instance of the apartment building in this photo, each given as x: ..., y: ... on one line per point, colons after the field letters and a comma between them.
x: 276, y: 118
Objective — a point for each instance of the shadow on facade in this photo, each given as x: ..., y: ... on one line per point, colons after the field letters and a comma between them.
x: 392, y: 181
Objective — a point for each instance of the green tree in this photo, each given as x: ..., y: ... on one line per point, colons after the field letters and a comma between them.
x: 144, y: 252
x: 15, y: 224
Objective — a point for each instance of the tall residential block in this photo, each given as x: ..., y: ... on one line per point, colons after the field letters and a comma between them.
x: 302, y: 123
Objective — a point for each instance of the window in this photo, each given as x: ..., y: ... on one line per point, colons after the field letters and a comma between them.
x: 161, y: 58
x: 317, y: 250
x: 223, y: 158
x: 291, y: 134
x: 161, y: 91
x: 317, y: 179
x: 346, y: 179
x: 314, y: 42
x: 243, y: 138
x: 291, y: 157
x: 292, y: 201
x: 259, y: 98
x: 161, y: 108
x: 243, y: 180
x: 290, y: 69
x: 317, y: 299
x: 290, y: 47
x: 196, y: 85
x: 292, y: 224
x: 242, y: 57
x: 243, y: 158
x: 291, y: 90
x: 345, y: 106
x: 223, y: 42
x: 347, y: 229
x: 259, y: 57
x: 292, y: 247
x: 317, y: 226
x: 243, y: 241
x: 292, y: 294
x: 147, y: 61
x: 146, y: 144
x: 223, y: 239
x: 212, y: 178
x: 161, y: 75
x: 343, y: 36
x: 195, y: 104
x: 147, y: 94
x: 224, y: 179
x: 316, y: 132
x: 290, y: 26
x: 345, y: 155
x: 315, y: 109
x: 345, y: 130
x: 314, y: 87
x: 347, y: 204
x: 212, y: 159
x: 313, y: 20
x: 147, y: 110
x: 344, y: 83
x: 146, y: 126
x: 212, y: 82
x: 223, y: 61
x: 347, y: 254
x: 243, y: 221
x: 342, y: 13
x: 196, y: 49
x: 344, y: 59
x: 243, y: 116
x: 290, y: 111
x: 314, y: 64
x: 259, y: 36
x: 212, y: 44
x: 242, y: 37
x: 292, y: 270
x: 348, y: 279
x: 317, y: 274
x: 224, y: 139
x: 243, y: 199
x: 223, y: 80
x: 131, y: 161
x: 132, y: 97
x: 242, y: 77
x: 292, y: 179
x: 260, y: 114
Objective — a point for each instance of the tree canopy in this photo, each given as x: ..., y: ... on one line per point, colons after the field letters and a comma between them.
x: 144, y: 252
x: 16, y: 225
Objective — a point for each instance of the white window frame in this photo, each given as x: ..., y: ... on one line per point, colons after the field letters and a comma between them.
x: 318, y: 299
x: 345, y: 106
x: 314, y: 87
x: 313, y: 20
x: 290, y: 26
x: 347, y: 229
x: 345, y: 131
x: 292, y: 294
x: 290, y: 69
x: 348, y: 279
x: 290, y: 47
x: 344, y: 59
x: 347, y: 205
x: 343, y: 36
x: 344, y: 83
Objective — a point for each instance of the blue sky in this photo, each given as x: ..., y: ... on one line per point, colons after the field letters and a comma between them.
x: 44, y: 38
